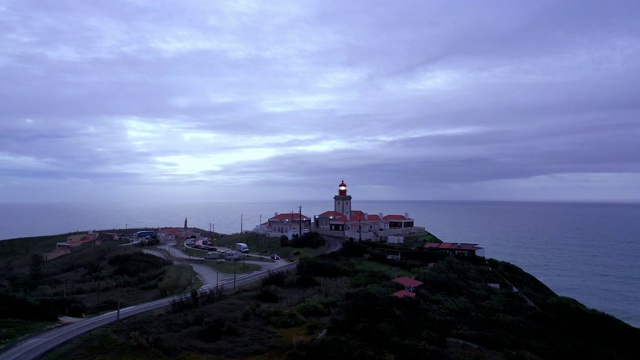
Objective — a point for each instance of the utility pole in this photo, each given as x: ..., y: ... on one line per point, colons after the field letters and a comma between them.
x: 119, y: 299
x: 300, y: 223
x: 240, y: 223
x: 360, y: 229
x: 235, y: 262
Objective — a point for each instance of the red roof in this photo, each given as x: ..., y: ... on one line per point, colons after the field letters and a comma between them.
x: 330, y: 213
x: 395, y: 217
x: 288, y: 216
x: 452, y: 246
x: 403, y: 293
x: 356, y: 215
x: 171, y: 231
x: 407, y: 281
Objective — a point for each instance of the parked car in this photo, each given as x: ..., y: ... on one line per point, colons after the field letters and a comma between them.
x: 212, y: 256
x: 232, y: 257
x: 275, y: 257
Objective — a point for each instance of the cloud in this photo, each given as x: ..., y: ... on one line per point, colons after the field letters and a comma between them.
x: 412, y: 100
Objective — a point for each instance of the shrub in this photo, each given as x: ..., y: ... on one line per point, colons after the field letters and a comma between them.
x: 283, y: 318
x: 177, y: 279
x: 268, y: 293
x: 274, y: 278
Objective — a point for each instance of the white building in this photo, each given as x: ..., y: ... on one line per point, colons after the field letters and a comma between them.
x: 288, y: 224
x: 356, y: 224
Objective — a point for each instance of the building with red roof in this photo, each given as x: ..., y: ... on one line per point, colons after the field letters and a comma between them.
x: 403, y: 293
x: 345, y: 222
x: 408, y: 283
x: 288, y: 224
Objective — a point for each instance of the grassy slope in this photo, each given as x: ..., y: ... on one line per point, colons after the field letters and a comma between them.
x: 84, y: 282
x: 454, y: 315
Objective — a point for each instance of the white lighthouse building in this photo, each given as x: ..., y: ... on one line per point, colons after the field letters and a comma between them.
x: 345, y: 222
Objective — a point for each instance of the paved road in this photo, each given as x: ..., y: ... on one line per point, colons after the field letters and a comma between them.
x: 207, y: 274
x: 38, y: 345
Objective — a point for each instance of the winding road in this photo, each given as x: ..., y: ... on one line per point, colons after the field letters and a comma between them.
x: 42, y: 343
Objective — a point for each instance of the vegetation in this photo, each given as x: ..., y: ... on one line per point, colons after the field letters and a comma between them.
x: 90, y: 280
x: 340, y: 306
x: 309, y: 245
x: 230, y: 267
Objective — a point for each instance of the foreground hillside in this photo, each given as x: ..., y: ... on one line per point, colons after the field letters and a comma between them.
x: 34, y: 293
x: 340, y: 306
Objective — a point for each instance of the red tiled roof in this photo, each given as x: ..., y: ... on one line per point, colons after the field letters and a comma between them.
x: 330, y: 213
x: 452, y: 246
x: 403, y: 293
x: 172, y: 231
x: 407, y: 281
x: 288, y: 216
x: 394, y: 217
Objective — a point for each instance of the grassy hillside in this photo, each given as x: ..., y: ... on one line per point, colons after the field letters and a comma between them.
x: 340, y: 306
x: 93, y: 279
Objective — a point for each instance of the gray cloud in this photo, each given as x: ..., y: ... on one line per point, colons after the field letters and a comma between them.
x: 496, y: 100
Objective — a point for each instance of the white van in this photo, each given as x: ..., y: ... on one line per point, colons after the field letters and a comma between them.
x: 242, y: 247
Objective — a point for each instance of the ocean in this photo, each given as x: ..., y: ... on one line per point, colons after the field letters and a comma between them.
x: 587, y: 251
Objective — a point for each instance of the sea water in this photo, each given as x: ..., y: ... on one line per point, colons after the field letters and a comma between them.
x: 587, y: 251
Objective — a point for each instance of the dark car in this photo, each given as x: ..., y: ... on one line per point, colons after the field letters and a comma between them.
x: 275, y: 257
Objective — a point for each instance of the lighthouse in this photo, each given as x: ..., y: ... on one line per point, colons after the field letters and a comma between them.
x: 342, y: 201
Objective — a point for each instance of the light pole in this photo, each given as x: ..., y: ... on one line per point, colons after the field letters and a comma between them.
x: 119, y: 299
x: 235, y: 262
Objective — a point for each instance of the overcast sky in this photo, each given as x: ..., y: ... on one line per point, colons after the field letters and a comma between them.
x: 265, y: 100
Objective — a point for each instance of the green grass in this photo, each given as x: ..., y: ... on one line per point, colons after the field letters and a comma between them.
x: 13, y: 330
x: 367, y: 265
x: 228, y: 267
x: 192, y: 252
x: 263, y: 245
x: 290, y: 252
x: 18, y: 252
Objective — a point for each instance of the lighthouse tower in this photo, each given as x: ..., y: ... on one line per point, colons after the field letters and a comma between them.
x: 342, y: 201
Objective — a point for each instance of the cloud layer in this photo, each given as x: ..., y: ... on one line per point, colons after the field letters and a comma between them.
x: 254, y: 100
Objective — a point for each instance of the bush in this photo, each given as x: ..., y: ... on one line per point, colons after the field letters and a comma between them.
x: 284, y: 318
x: 176, y: 280
x: 316, y: 306
x: 268, y: 293
x: 274, y: 278
x: 137, y: 263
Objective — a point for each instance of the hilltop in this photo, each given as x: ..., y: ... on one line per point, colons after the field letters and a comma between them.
x: 341, y: 305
